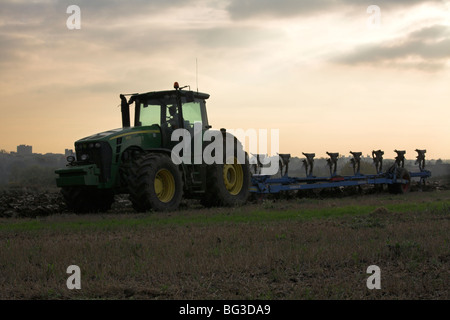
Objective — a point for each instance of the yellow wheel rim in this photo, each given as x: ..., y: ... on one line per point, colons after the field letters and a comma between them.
x: 233, y: 177
x: 164, y: 185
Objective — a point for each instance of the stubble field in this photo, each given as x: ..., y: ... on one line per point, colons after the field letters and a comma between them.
x: 300, y: 248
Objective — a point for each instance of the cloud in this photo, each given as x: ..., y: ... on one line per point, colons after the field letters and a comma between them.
x: 32, y: 31
x: 234, y: 36
x: 244, y: 9
x: 132, y: 25
x: 111, y: 30
x: 425, y: 49
x: 431, y: 32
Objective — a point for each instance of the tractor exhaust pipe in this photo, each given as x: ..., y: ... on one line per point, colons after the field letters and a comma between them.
x: 125, y: 111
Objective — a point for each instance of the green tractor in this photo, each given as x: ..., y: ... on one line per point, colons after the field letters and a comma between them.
x: 141, y: 161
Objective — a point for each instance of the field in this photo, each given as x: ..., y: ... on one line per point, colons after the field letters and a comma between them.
x: 299, y: 248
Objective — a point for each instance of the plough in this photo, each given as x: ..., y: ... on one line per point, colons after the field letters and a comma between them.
x: 396, y: 177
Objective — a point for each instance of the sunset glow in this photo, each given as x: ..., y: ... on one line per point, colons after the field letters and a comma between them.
x: 315, y: 70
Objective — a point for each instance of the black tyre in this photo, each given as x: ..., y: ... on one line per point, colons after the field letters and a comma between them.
x: 227, y: 184
x: 401, y: 188
x: 87, y: 200
x: 155, y: 183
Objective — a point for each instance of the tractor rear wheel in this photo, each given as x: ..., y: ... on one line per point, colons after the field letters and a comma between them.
x: 401, y: 188
x: 155, y: 183
x: 227, y: 184
x: 87, y: 200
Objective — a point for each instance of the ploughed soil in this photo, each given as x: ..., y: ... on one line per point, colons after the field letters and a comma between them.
x: 29, y: 202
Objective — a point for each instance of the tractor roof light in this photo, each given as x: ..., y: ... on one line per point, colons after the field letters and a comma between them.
x: 176, y: 85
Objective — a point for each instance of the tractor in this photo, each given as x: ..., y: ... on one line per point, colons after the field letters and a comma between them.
x: 140, y: 161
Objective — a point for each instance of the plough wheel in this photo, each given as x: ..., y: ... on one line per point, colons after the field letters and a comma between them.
x: 401, y: 188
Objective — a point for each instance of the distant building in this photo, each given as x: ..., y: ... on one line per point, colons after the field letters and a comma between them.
x: 68, y: 152
x: 24, y: 150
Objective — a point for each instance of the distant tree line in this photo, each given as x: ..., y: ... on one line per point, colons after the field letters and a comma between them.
x: 34, y: 170
x: 37, y: 170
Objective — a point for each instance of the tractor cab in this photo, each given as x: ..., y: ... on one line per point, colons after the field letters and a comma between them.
x: 169, y: 110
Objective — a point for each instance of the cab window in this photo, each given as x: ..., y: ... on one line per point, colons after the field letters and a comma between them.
x: 149, y: 114
x: 191, y: 114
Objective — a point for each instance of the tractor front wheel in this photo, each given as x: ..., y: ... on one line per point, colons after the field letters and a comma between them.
x: 155, y: 183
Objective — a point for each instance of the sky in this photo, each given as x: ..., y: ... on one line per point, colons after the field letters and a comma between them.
x: 330, y: 75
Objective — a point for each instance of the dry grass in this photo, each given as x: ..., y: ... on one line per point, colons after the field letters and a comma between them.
x: 269, y: 250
